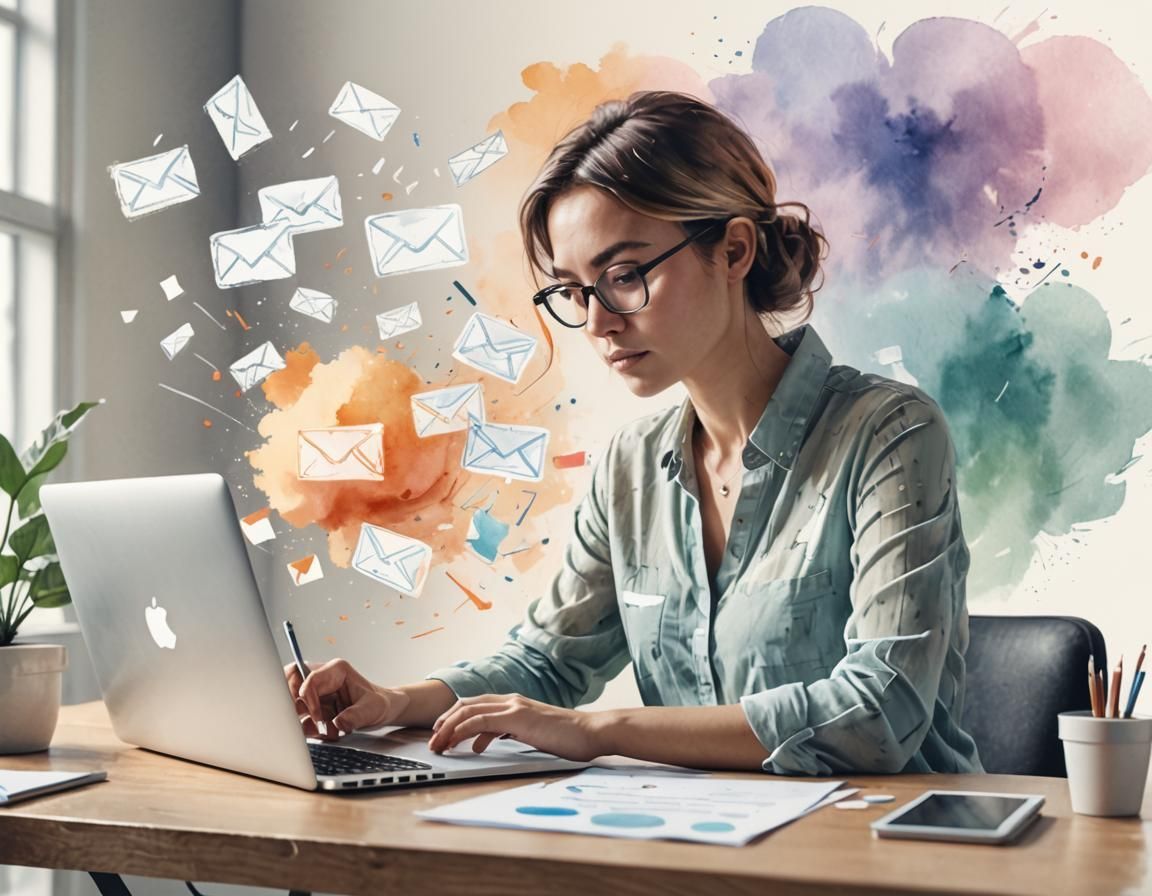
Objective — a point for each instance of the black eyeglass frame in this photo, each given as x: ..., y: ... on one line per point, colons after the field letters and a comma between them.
x: 541, y: 298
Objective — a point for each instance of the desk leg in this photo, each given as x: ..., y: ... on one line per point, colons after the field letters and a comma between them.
x: 109, y: 884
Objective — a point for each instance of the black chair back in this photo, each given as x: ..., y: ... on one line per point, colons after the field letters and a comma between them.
x: 1021, y: 672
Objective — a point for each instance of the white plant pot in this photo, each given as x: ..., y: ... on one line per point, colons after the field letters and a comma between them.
x: 30, y: 682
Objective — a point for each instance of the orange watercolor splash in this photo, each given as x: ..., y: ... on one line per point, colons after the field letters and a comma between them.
x: 340, y: 254
x: 568, y: 461
x: 480, y: 603
x: 207, y: 423
x: 215, y: 376
x: 1096, y: 262
x: 385, y: 195
x: 285, y: 386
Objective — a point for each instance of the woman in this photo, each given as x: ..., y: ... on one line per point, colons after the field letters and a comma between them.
x: 781, y: 557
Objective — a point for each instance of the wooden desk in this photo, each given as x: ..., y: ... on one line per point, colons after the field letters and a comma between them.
x: 161, y: 817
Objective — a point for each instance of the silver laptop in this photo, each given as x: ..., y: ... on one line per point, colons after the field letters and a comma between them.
x: 184, y: 654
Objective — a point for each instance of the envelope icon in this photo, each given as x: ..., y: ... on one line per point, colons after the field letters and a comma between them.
x: 364, y: 110
x: 490, y: 345
x: 400, y: 320
x: 173, y: 343
x: 393, y: 559
x: 314, y: 304
x: 305, y: 570
x: 305, y: 205
x: 515, y: 452
x: 467, y: 164
x: 447, y: 410
x: 252, y: 255
x: 257, y: 364
x: 341, y: 452
x: 417, y: 239
x: 257, y: 527
x: 236, y: 117
x: 148, y: 185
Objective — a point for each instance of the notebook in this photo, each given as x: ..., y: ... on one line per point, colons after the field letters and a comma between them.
x: 16, y: 786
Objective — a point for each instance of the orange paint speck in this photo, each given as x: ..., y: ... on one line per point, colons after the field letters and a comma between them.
x: 1096, y: 262
x: 327, y: 265
x: 343, y: 618
x: 1083, y: 254
x: 341, y: 253
x: 329, y: 639
x: 207, y: 424
x: 238, y: 394
x: 398, y: 622
x: 430, y: 631
x: 399, y: 345
x: 385, y: 195
x: 449, y: 311
x: 480, y: 603
x: 243, y: 323
x: 344, y: 328
x: 568, y: 461
x: 215, y: 376
x: 347, y: 270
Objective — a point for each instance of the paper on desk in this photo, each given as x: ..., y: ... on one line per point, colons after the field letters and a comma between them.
x: 18, y: 785
x: 644, y: 806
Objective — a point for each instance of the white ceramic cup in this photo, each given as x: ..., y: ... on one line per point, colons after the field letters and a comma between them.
x: 1107, y: 762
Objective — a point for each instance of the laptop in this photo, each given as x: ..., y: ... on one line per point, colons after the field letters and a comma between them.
x: 185, y: 656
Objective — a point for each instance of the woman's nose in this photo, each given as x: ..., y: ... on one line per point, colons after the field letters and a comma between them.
x: 601, y: 321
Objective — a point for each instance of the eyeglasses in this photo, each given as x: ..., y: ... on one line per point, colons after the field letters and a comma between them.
x: 621, y: 288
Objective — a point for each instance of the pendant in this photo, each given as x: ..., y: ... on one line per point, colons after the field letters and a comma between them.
x: 724, y: 491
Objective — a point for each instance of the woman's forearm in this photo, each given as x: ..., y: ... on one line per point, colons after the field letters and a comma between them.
x: 426, y: 701
x: 717, y: 737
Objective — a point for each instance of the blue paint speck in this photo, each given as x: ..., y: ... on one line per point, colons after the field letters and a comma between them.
x: 415, y: 138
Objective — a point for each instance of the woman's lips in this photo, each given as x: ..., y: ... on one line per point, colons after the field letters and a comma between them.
x: 628, y: 362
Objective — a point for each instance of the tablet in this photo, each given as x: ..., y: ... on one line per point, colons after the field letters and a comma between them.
x: 965, y: 815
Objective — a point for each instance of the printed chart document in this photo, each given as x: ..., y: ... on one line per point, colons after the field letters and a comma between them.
x: 643, y: 806
x: 20, y: 785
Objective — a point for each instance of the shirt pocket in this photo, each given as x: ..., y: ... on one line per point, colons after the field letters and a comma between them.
x: 642, y: 608
x: 789, y: 637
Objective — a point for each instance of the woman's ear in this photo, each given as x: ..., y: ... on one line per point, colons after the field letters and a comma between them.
x: 740, y: 242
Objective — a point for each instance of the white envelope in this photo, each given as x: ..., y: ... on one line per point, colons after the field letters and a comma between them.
x: 252, y: 255
x: 396, y: 560
x: 305, y: 205
x: 515, y: 452
x: 364, y: 110
x: 493, y: 346
x: 257, y: 364
x: 173, y: 343
x: 341, y: 452
x: 236, y: 117
x: 257, y: 527
x: 417, y: 239
x: 305, y: 570
x: 398, y: 321
x: 467, y: 164
x: 148, y: 185
x: 447, y: 410
x: 314, y: 304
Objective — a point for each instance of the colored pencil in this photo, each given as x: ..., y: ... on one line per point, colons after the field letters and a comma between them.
x: 1114, y: 699
x: 1136, y: 682
x: 1092, y: 696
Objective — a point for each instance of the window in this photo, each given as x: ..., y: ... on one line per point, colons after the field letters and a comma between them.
x: 29, y: 227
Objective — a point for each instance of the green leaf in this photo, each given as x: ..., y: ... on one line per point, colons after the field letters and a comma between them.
x: 51, y: 459
x: 33, y: 539
x: 57, y: 430
x: 11, y: 470
x: 49, y: 588
x: 29, y: 501
x: 9, y: 567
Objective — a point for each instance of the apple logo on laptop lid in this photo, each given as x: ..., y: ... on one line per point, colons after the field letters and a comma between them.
x: 158, y: 628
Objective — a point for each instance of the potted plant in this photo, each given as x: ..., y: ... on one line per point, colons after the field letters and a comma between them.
x: 30, y: 577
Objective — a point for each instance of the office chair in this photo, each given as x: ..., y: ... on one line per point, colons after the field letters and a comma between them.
x: 1021, y: 672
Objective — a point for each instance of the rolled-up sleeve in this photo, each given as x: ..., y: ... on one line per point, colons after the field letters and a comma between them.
x: 909, y: 562
x: 571, y: 641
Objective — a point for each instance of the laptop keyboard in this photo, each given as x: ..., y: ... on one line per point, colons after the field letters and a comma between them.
x: 333, y: 760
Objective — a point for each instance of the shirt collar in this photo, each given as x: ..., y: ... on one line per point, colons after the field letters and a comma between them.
x: 780, y: 430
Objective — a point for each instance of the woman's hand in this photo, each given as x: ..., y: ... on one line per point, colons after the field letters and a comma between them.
x: 563, y: 732
x: 335, y: 699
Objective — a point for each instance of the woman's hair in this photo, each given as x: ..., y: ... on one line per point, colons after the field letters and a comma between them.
x: 673, y: 157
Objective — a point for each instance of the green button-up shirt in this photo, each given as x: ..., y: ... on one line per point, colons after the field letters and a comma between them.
x: 839, y: 619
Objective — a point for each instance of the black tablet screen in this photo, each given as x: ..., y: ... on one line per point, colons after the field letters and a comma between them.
x: 953, y: 810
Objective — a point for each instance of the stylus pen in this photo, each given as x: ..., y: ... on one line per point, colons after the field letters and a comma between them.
x: 301, y: 666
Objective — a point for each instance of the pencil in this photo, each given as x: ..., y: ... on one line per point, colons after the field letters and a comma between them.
x: 1092, y: 688
x: 1114, y: 698
x: 1136, y: 674
x: 1136, y: 682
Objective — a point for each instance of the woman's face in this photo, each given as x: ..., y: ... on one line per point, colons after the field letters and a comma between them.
x: 691, y: 306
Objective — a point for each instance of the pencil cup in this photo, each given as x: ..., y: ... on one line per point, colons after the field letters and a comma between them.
x: 1107, y: 762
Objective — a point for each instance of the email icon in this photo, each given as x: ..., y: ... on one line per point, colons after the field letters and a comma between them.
x: 305, y: 205
x: 314, y: 304
x: 400, y: 320
x: 467, y: 164
x: 252, y: 255
x: 236, y: 117
x: 305, y: 570
x: 492, y: 346
x: 418, y: 239
x: 395, y: 560
x: 174, y: 343
x: 148, y: 185
x: 447, y: 410
x: 515, y: 452
x: 256, y: 365
x: 364, y: 110
x: 341, y: 452
x: 257, y: 527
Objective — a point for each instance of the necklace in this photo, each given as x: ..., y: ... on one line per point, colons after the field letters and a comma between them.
x: 724, y: 490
